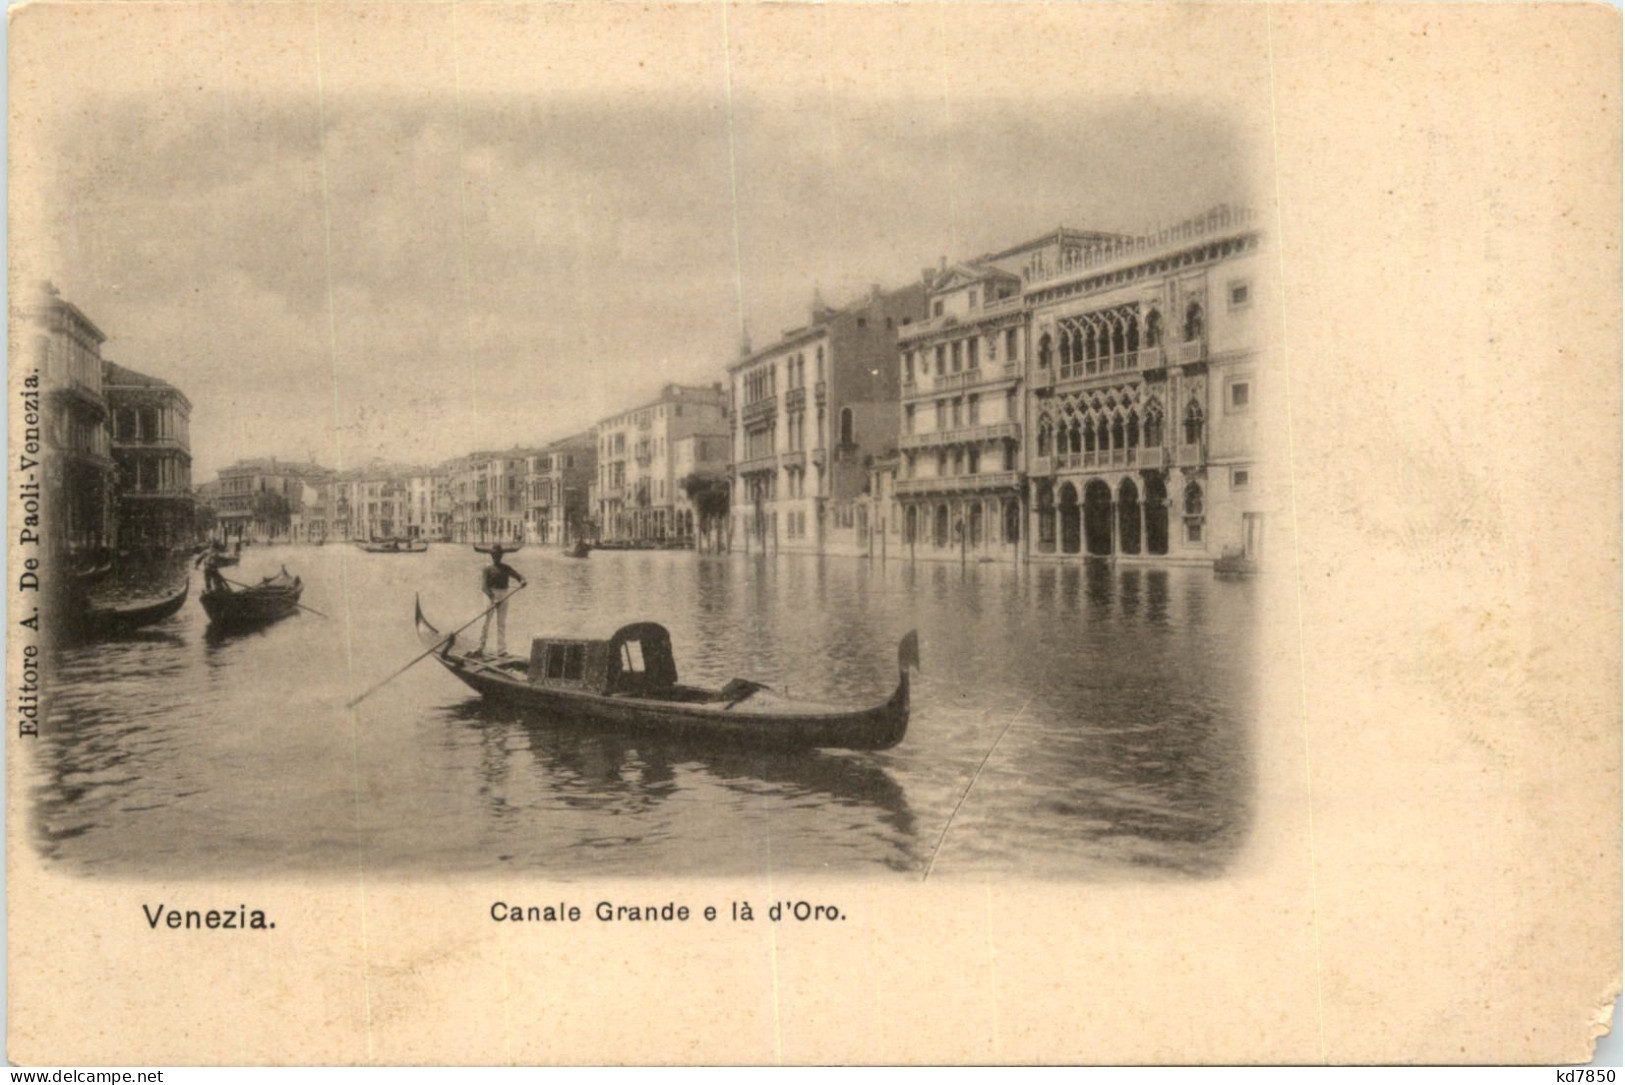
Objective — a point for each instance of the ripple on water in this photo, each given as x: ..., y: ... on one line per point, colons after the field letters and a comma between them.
x: 1116, y: 704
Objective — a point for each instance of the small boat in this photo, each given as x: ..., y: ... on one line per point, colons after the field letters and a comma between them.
x: 629, y: 679
x: 580, y: 550
x: 394, y: 546
x: 507, y: 548
x: 112, y: 620
x: 270, y: 600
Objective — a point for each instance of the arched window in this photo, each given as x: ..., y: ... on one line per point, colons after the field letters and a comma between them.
x: 1117, y: 337
x: 1043, y: 351
x: 1193, y: 321
x: 1193, y: 423
x: 1153, y: 426
x: 1133, y: 333
x: 976, y: 524
x: 1089, y: 343
x: 1077, y: 437
x: 1089, y: 435
x: 1012, y: 522
x: 846, y: 426
x: 1043, y: 436
x: 911, y: 524
x: 1193, y: 500
x: 1117, y: 432
x: 1066, y: 346
x: 1132, y: 429
x: 1153, y: 328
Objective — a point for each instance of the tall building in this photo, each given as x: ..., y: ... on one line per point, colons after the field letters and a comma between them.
x: 152, y: 448
x: 63, y: 347
x: 1144, y: 395
x: 560, y: 476
x: 699, y: 460
x: 636, y: 492
x: 809, y: 415
x: 264, y: 500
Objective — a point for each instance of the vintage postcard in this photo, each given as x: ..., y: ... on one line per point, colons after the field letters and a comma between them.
x: 555, y: 533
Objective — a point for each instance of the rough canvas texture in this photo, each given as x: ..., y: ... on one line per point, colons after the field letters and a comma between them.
x: 1433, y: 872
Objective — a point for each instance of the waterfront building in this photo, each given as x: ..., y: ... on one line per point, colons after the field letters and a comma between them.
x: 636, y: 491
x: 264, y: 499
x: 960, y: 474
x: 1144, y: 392
x: 808, y: 416
x: 63, y: 347
x: 700, y: 466
x: 560, y: 476
x: 152, y: 450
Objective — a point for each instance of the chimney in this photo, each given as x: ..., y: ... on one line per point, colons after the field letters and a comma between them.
x: 818, y: 305
x: 874, y: 291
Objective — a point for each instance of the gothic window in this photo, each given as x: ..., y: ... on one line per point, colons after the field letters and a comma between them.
x: 1193, y: 423
x: 1117, y: 337
x: 1089, y: 343
x: 1089, y: 436
x: 1043, y: 351
x: 1153, y: 427
x: 1132, y: 429
x: 1043, y: 437
x: 1117, y: 432
x: 1153, y: 328
x: 1193, y: 500
x: 1076, y: 433
x: 1133, y: 333
x: 1193, y: 321
x: 846, y: 426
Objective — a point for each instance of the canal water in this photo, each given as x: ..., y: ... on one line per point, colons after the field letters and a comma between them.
x: 1104, y: 715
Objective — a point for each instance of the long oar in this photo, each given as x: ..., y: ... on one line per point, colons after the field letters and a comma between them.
x: 437, y: 645
x: 301, y: 606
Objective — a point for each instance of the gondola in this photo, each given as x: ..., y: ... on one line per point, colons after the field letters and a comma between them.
x: 629, y: 679
x: 270, y: 600
x: 394, y: 546
x: 507, y: 548
x: 1234, y: 565
x: 580, y: 550
x: 113, y: 620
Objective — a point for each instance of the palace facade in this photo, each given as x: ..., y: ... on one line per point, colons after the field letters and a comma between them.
x: 635, y: 496
x: 1143, y: 396
x: 808, y: 416
x: 560, y: 475
x: 152, y: 450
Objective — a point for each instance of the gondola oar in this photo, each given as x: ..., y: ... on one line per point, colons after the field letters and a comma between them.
x: 247, y: 587
x: 427, y: 652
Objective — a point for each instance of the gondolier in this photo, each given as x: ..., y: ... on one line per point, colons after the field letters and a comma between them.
x: 210, y: 560
x: 494, y: 580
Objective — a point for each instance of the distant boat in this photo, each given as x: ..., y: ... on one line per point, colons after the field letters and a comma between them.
x: 629, y: 679
x: 580, y: 550
x: 112, y: 620
x: 270, y: 600
x: 394, y: 546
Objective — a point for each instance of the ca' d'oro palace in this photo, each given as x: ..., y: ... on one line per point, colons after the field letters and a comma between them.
x: 1078, y: 394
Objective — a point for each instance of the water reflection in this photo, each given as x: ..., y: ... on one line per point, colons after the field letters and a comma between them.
x: 1122, y: 694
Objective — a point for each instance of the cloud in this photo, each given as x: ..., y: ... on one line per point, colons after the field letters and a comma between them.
x: 411, y: 276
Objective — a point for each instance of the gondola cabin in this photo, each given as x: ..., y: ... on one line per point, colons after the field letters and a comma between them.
x: 635, y: 662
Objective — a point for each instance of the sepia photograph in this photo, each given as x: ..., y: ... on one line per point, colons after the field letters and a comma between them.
x: 730, y: 486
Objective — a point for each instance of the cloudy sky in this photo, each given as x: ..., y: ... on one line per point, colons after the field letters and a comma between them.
x: 406, y: 233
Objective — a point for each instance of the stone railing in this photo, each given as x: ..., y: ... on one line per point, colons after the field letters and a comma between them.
x: 1217, y: 221
x: 965, y: 435
x: 993, y: 480
x: 766, y: 407
x: 1193, y: 352
x: 795, y: 399
x: 797, y: 458
x: 759, y: 463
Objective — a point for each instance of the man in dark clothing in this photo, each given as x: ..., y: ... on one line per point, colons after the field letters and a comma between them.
x: 210, y: 560
x: 494, y: 582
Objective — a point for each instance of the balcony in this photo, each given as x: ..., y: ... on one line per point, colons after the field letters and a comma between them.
x: 992, y: 480
x: 967, y: 435
x: 766, y: 407
x: 795, y: 399
x: 1114, y: 459
x: 818, y: 457
x: 798, y: 458
x: 1150, y: 358
x: 1041, y: 465
x: 1193, y: 352
x: 758, y: 463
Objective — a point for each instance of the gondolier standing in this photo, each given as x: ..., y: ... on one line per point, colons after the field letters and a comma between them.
x: 494, y: 581
x: 210, y: 560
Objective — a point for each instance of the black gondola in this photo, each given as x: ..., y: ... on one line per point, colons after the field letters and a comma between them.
x: 272, y: 599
